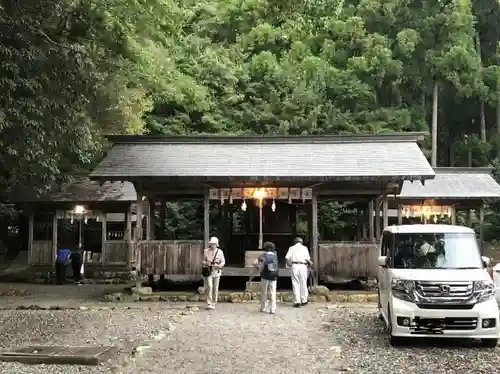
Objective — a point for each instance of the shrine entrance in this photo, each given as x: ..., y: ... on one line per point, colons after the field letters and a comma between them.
x: 248, y: 217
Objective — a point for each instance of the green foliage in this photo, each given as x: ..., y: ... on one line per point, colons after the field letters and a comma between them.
x: 71, y: 71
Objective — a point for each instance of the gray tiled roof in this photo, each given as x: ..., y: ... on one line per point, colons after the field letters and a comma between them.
x: 454, y: 183
x: 342, y: 158
x: 86, y: 190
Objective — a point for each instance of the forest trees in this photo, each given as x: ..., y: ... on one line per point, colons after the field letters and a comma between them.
x: 73, y: 70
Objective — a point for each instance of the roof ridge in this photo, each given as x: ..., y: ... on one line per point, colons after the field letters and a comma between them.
x: 463, y: 170
x: 269, y: 139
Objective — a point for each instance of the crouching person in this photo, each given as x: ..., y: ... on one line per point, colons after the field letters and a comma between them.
x: 213, y: 262
x: 269, y: 271
x: 62, y: 260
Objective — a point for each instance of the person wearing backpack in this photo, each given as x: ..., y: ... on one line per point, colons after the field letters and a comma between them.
x: 269, y: 271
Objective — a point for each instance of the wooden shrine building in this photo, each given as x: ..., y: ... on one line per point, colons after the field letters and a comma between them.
x: 452, y: 190
x: 97, y: 216
x: 258, y: 185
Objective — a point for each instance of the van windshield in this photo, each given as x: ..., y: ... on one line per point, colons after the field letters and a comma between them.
x: 436, y: 251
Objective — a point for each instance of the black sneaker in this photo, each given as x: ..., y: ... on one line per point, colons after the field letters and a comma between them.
x: 303, y: 304
x: 297, y: 305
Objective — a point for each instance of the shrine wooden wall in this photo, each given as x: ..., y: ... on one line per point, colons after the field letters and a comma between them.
x: 171, y: 257
x: 348, y: 259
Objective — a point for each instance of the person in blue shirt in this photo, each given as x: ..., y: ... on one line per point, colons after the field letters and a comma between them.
x: 62, y: 260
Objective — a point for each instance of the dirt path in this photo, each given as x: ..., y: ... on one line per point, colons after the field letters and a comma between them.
x: 237, y: 338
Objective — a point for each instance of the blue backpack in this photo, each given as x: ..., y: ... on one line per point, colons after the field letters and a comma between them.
x: 270, y: 268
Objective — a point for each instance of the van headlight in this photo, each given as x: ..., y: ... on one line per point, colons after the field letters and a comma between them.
x: 483, y: 291
x: 403, y: 289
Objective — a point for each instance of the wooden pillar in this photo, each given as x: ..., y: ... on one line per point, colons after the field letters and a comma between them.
x: 104, y: 237
x: 314, y: 235
x: 481, y: 226
x: 138, y: 220
x: 371, y: 229
x: 385, y: 212
x: 377, y: 218
x: 128, y: 233
x: 453, y: 215
x: 359, y: 224
x: 31, y: 224
x: 400, y: 214
x: 149, y: 220
x: 206, y: 219
x: 163, y: 217
x: 293, y: 219
x: 261, y: 218
x: 54, y: 238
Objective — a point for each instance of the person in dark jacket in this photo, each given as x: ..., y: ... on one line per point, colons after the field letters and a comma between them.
x: 76, y: 263
x: 62, y: 260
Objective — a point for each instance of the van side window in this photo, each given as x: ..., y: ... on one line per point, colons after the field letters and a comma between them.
x: 386, y: 244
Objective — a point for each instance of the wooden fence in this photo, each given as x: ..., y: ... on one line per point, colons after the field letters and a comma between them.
x: 41, y: 253
x: 348, y: 259
x: 171, y: 257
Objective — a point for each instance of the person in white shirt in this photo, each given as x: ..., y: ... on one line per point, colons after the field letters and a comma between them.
x: 298, y: 259
x: 213, y: 259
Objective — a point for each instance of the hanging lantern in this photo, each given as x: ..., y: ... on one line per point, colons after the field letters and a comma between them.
x: 244, y: 206
x: 71, y: 220
x: 273, y: 206
x: 85, y: 220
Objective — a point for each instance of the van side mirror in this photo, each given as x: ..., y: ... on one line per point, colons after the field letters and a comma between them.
x: 382, y: 261
x: 486, y: 261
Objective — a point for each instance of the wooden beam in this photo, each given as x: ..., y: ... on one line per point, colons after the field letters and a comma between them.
x: 31, y: 224
x: 377, y: 218
x: 138, y: 221
x: 206, y: 218
x: 400, y: 214
x: 481, y: 227
x: 54, y: 238
x: 104, y: 238
x: 314, y: 236
x: 149, y: 217
x: 385, y: 212
x: 453, y: 215
x: 128, y: 233
x: 371, y: 228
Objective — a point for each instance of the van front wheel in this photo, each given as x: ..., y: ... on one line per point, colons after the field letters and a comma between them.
x: 393, y: 340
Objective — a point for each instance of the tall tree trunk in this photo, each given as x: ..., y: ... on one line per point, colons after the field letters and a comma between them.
x: 482, y: 118
x: 435, y: 98
x: 498, y: 119
x: 482, y: 121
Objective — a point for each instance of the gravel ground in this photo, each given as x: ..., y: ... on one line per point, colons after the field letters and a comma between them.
x: 125, y: 328
x: 239, y: 339
x: 365, y: 348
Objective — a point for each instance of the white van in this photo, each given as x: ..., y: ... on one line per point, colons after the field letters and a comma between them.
x: 434, y: 282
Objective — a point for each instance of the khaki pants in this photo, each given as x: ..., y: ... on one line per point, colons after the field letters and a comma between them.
x: 212, y: 289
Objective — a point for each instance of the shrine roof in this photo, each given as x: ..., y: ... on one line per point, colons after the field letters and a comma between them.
x: 385, y: 157
x: 82, y: 189
x: 454, y: 183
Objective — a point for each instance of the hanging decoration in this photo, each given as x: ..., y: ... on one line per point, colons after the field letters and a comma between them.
x: 273, y: 206
x: 244, y: 206
x: 426, y: 211
x: 260, y: 193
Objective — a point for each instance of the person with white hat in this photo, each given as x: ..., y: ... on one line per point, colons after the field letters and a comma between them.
x: 213, y: 262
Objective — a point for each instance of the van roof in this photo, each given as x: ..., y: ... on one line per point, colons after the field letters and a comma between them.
x: 423, y: 229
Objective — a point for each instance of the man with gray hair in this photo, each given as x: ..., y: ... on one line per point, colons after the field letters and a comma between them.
x: 298, y: 259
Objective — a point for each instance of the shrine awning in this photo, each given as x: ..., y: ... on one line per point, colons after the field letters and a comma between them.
x: 454, y: 183
x: 384, y: 157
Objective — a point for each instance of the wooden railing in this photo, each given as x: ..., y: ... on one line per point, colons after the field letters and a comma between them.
x: 348, y: 259
x: 171, y: 257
